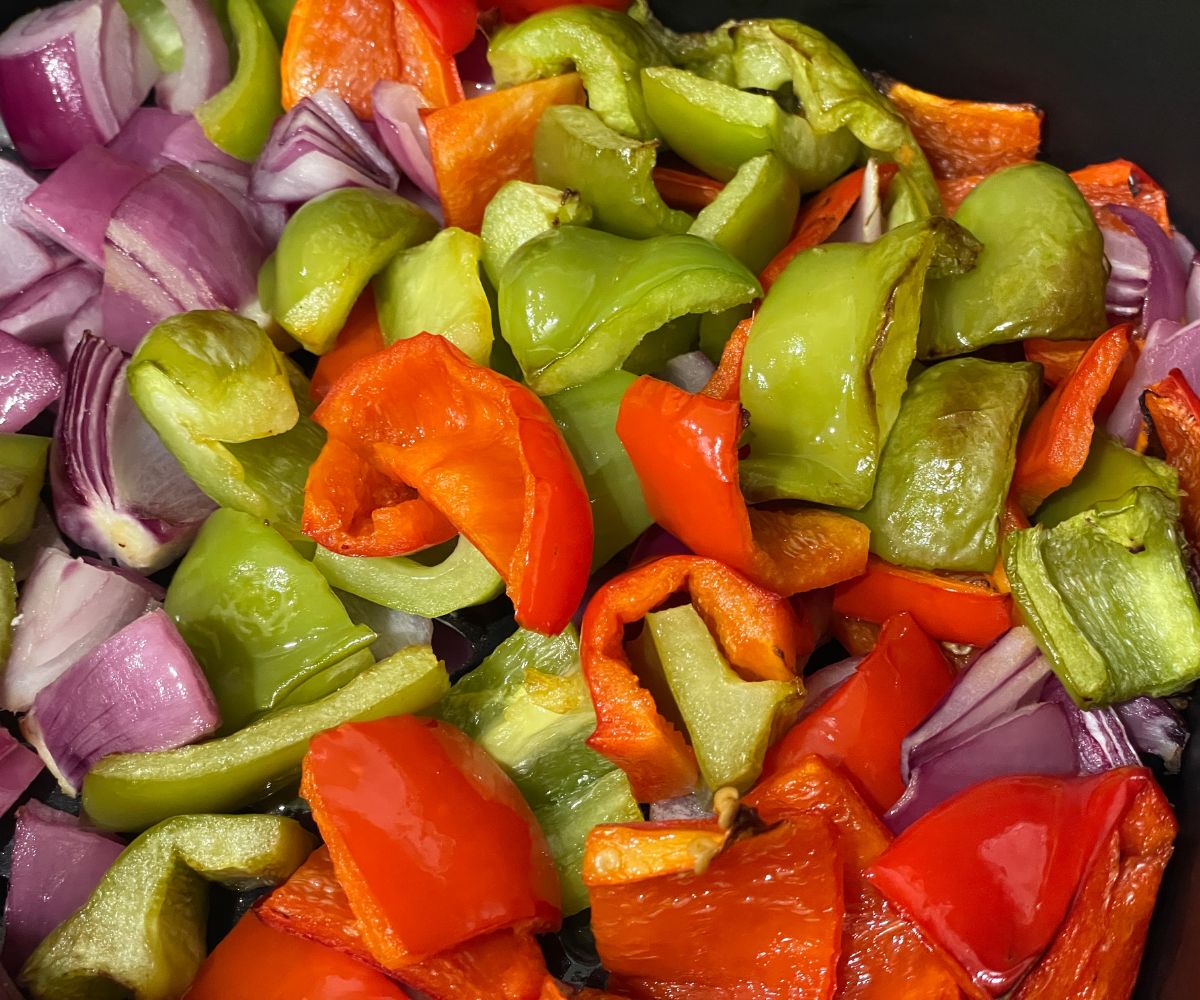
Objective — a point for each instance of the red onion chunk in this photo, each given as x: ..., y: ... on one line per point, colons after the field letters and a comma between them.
x: 1129, y: 273
x: 87, y: 319
x: 397, y: 108
x: 865, y: 223
x: 205, y: 58
x: 1164, y: 290
x: 55, y: 866
x: 1192, y: 295
x: 139, y: 690
x: 1100, y: 739
x: 73, y: 205
x: 1155, y: 728
x: 67, y: 608
x: 689, y: 372
x: 25, y: 256
x: 142, y: 139
x: 18, y: 767
x: 117, y: 490
x: 40, y: 314
x: 30, y: 380
x: 43, y: 535
x: 1167, y: 345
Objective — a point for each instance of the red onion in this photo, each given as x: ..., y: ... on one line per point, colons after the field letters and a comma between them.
x: 117, y: 490
x: 1164, y: 291
x: 87, y: 319
x: 1129, y: 273
x: 40, y: 314
x: 140, y: 690
x: 1099, y: 736
x: 684, y: 807
x: 67, y: 607
x: 821, y: 685
x: 1155, y: 728
x: 142, y: 138
x: 18, y: 767
x: 8, y: 989
x: 43, y: 535
x: 55, y: 866
x: 205, y: 67
x: 1167, y: 345
x: 689, y: 372
x: 30, y: 380
x: 865, y: 223
x: 1192, y: 295
x: 25, y: 256
x: 397, y: 109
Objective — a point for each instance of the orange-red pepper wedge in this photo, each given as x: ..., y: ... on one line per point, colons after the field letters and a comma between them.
x: 684, y: 450
x: 424, y: 62
x: 1175, y: 411
x: 725, y: 382
x: 360, y: 338
x: 1055, y: 445
x: 1058, y: 358
x: 757, y: 630
x: 480, y: 449
x: 819, y: 218
x: 480, y: 145
x: 621, y: 854
x: 684, y: 190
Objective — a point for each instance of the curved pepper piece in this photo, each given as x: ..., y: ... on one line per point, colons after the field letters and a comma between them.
x: 575, y: 303
x: 684, y: 449
x: 1174, y: 410
x: 142, y: 929
x: 756, y: 630
x: 519, y: 212
x: 23, y: 459
x: 484, y: 453
x: 359, y: 338
x: 686, y: 191
x: 1120, y: 182
x: 232, y: 410
x: 425, y: 63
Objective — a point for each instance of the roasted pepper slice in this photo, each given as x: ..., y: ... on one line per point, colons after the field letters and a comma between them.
x: 685, y: 190
x: 1174, y: 410
x: 1119, y: 182
x: 23, y: 460
x: 425, y: 62
x: 359, y: 338
x: 519, y: 212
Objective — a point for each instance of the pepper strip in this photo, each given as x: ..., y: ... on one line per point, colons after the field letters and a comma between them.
x: 726, y: 381
x: 684, y: 450
x: 686, y: 191
x: 756, y: 630
x: 1175, y: 411
x: 1058, y: 358
x: 1055, y: 445
x: 360, y: 338
x: 819, y: 219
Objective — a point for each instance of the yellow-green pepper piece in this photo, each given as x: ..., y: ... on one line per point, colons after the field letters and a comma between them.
x: 22, y: 473
x: 709, y: 54
x: 754, y: 214
x: 158, y: 31
x: 142, y: 931
x: 329, y: 250
x: 519, y: 212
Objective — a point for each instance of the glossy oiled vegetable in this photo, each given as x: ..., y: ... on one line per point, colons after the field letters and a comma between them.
x: 519, y: 212
x: 22, y: 473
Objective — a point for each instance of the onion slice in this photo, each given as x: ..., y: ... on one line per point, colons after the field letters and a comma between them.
x: 865, y: 223
x: 394, y: 630
x: 205, y: 67
x: 1128, y: 275
x: 397, y: 108
x: 1155, y: 728
x: 40, y: 314
x: 1167, y: 345
x: 25, y: 255
x: 1192, y: 294
x: 142, y: 138
x: 30, y: 380
x: 18, y: 767
x: 1165, y: 284
x: 1099, y: 736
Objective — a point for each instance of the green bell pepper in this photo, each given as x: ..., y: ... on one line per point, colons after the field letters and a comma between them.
x: 142, y: 931
x: 608, y: 49
x: 259, y: 617
x: 587, y: 417
x: 575, y: 302
x: 234, y: 412
x: 158, y: 31
x: 22, y: 474
x: 8, y: 608
x: 824, y: 372
x: 709, y: 54
x: 946, y: 468
x: 238, y: 118
x: 1107, y: 595
x: 528, y: 706
x: 730, y: 720
x: 658, y: 347
x: 132, y: 791
x: 436, y: 288
x: 574, y: 149
x: 329, y: 250
x: 1042, y: 271
x: 717, y: 128
x: 1111, y: 471
x: 753, y: 216
x: 519, y: 212
x: 463, y: 579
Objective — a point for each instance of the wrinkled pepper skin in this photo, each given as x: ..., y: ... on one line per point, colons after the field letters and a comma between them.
x: 575, y: 302
x: 23, y: 459
x: 1136, y: 634
x: 1041, y: 273
x: 519, y: 212
x: 945, y: 470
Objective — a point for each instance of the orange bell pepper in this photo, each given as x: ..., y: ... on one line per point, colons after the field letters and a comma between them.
x: 360, y: 338
x: 862, y: 724
x: 684, y: 450
x: 948, y: 609
x: 685, y: 190
x: 1175, y: 411
x: 1055, y: 445
x: 954, y: 189
x: 480, y: 145
x: 1120, y: 182
x: 483, y: 453
x: 622, y: 854
x: 424, y: 61
x: 1058, y: 358
x: 432, y: 842
x: 725, y: 382
x: 819, y: 219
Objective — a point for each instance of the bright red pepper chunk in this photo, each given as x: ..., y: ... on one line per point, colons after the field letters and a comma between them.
x: 452, y: 22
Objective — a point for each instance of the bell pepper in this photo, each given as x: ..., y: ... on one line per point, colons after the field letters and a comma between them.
x: 378, y: 788
x: 480, y: 145
x: 948, y: 609
x: 657, y: 348
x: 731, y: 721
x: 684, y: 190
x: 717, y: 128
x: 233, y: 411
x: 763, y: 919
x: 706, y: 53
x: 608, y: 50
x: 425, y: 63
x: 634, y: 852
x: 575, y: 302
x: 259, y: 617
x: 726, y: 381
x: 1041, y: 273
x: 359, y: 338
x: 1120, y: 182
x: 1055, y: 446
x: 945, y: 470
x: 826, y: 449
x: 484, y: 453
x: 328, y: 252
x: 436, y: 288
x: 134, y: 791
x: 141, y: 932
x: 453, y: 24
x: 8, y: 607
x: 519, y: 212
x: 1058, y: 358
x: 991, y: 874
x: 239, y: 116
x: 528, y: 706
x: 1138, y: 633
x: 587, y: 416
x: 861, y: 725
x: 23, y: 460
x: 753, y: 215
x: 1174, y: 410
x: 684, y: 449
x: 614, y: 175
x: 757, y: 631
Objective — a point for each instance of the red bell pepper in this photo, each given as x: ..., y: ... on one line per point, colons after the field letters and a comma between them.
x: 686, y: 191
x: 518, y: 10
x: 757, y: 631
x: 621, y: 854
x: 684, y: 450
x: 451, y: 22
x: 430, y: 839
x: 819, y: 219
x: 1058, y: 358
x: 1055, y: 445
x: 480, y: 450
x: 991, y: 874
x: 1175, y: 411
x: 360, y: 338
x: 726, y: 381
x: 1120, y: 182
x: 861, y: 725
x: 424, y: 62
x: 949, y: 609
